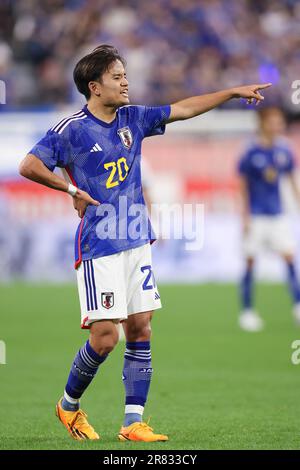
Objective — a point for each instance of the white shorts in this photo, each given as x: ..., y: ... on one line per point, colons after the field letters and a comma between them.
x: 271, y: 232
x: 116, y: 286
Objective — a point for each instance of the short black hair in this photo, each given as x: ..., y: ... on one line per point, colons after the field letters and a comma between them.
x: 93, y: 66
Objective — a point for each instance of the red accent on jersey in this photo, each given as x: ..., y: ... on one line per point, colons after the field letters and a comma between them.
x: 78, y: 261
x: 70, y: 176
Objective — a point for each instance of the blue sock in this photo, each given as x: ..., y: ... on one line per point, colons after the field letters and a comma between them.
x: 137, y: 373
x: 84, y: 369
x: 293, y: 282
x: 246, y: 288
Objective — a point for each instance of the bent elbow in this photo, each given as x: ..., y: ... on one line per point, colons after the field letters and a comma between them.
x: 24, y: 169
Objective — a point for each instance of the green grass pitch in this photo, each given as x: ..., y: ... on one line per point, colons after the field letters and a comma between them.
x: 214, y: 386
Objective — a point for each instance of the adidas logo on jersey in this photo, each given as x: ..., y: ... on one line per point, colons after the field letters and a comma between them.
x: 96, y: 148
x: 157, y: 296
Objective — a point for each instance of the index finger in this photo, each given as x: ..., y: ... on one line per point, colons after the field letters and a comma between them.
x: 262, y: 86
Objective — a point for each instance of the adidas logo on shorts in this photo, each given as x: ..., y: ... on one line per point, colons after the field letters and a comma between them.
x: 157, y: 296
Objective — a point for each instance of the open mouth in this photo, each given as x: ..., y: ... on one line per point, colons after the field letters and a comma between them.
x: 124, y: 93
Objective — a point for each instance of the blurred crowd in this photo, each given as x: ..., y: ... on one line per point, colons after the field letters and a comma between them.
x: 173, y: 48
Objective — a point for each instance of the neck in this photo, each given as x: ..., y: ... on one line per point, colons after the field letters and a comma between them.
x: 267, y: 140
x: 104, y: 113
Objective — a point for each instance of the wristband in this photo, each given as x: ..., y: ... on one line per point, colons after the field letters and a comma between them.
x: 72, y: 190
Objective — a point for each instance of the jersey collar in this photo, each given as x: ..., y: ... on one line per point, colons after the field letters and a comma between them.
x: 102, y: 123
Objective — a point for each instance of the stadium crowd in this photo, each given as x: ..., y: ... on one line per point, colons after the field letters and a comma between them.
x: 174, y: 48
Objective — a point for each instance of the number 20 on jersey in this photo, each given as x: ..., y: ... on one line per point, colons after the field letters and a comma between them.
x: 118, y: 172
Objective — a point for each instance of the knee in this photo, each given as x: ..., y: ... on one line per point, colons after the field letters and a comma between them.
x: 249, y: 264
x: 139, y: 333
x: 104, y: 343
x: 103, y: 348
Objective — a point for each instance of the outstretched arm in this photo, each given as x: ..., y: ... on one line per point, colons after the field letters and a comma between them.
x: 196, y: 105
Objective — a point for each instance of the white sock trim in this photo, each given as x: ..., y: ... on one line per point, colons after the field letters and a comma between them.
x: 71, y: 400
x: 138, y: 409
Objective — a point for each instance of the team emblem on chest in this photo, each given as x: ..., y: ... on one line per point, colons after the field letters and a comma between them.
x: 270, y: 174
x: 107, y: 299
x: 126, y: 137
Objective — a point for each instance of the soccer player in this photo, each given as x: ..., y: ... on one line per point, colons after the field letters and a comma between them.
x: 261, y: 169
x: 99, y: 149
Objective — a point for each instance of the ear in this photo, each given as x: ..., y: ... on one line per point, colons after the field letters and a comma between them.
x: 95, y: 88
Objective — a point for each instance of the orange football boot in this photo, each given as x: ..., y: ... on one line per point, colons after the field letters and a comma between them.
x: 76, y: 423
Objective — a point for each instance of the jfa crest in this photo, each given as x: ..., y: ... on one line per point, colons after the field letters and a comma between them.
x: 107, y: 299
x: 126, y: 137
x: 270, y: 174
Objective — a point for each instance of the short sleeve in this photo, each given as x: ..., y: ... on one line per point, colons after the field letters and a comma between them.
x: 52, y: 150
x: 153, y: 120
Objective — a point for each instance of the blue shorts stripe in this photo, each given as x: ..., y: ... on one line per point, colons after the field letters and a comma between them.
x: 94, y: 285
x: 86, y: 287
x: 90, y: 285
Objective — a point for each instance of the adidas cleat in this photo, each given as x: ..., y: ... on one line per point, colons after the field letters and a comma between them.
x: 140, y: 432
x: 76, y: 423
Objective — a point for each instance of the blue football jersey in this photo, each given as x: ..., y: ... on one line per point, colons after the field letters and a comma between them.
x: 263, y: 167
x: 104, y: 160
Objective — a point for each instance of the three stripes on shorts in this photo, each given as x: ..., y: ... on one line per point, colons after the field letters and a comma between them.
x: 90, y: 285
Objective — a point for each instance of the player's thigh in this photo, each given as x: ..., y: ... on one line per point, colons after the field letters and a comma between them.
x: 102, y: 289
x: 143, y: 295
x: 254, y: 239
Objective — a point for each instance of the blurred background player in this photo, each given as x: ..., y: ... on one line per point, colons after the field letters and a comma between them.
x: 261, y: 170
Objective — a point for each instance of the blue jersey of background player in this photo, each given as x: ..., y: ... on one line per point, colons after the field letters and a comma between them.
x: 261, y: 169
x: 99, y: 148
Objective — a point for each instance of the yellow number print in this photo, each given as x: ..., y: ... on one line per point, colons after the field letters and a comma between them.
x: 110, y: 183
x: 122, y: 167
x: 121, y: 161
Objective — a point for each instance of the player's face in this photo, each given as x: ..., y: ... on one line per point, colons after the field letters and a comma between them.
x: 273, y: 123
x: 114, y: 86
